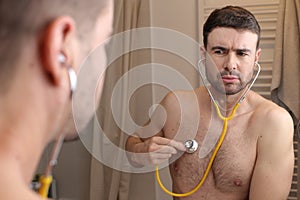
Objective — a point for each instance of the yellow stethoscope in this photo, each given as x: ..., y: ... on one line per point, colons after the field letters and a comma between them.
x: 221, y: 139
x: 46, y: 179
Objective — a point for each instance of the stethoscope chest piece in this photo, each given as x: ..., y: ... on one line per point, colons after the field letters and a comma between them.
x: 191, y: 146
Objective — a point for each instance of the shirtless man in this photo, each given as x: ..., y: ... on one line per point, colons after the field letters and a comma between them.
x: 256, y: 158
x: 41, y: 41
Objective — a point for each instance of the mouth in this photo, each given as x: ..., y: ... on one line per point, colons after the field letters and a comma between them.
x: 227, y: 79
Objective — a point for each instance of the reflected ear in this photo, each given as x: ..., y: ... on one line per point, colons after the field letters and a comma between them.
x: 56, y: 43
x: 202, y: 52
x: 257, y: 54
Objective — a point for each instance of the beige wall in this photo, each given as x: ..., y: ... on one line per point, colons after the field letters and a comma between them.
x: 181, y: 16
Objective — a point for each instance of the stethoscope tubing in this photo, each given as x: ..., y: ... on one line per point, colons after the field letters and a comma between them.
x: 221, y: 139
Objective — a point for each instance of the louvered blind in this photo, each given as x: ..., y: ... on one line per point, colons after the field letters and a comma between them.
x: 266, y: 12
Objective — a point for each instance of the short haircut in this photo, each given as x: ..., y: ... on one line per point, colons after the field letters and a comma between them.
x: 231, y: 17
x: 22, y: 20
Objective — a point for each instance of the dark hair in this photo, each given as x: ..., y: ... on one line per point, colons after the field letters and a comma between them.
x: 231, y: 17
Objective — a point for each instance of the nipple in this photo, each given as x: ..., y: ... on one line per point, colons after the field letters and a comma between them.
x: 238, y: 182
x: 176, y: 167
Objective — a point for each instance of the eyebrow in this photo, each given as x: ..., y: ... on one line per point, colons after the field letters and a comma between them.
x: 226, y: 49
x: 219, y: 48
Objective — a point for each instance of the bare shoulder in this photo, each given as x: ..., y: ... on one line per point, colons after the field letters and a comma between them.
x: 270, y: 112
x: 180, y: 99
x: 272, y: 120
x: 180, y: 95
x: 182, y: 111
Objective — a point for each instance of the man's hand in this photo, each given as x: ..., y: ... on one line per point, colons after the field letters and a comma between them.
x: 155, y: 150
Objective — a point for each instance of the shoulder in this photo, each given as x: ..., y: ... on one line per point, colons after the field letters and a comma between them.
x: 273, y: 114
x: 181, y: 105
x: 182, y: 109
x: 180, y: 99
x: 274, y: 123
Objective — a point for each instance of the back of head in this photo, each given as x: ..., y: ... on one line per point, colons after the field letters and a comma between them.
x: 22, y: 20
x: 231, y: 17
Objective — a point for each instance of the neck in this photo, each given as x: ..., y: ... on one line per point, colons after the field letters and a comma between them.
x: 32, y: 114
x: 226, y: 103
x: 23, y: 132
x: 18, y: 154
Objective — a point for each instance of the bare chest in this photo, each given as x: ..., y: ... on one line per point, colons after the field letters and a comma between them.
x: 232, y: 167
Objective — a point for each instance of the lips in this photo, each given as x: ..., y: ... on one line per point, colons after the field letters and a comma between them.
x: 229, y: 79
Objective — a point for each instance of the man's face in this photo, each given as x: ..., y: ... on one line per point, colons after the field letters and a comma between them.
x: 233, y: 52
x: 91, y: 68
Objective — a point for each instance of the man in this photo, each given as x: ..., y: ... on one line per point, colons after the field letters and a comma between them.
x: 255, y: 160
x: 42, y: 44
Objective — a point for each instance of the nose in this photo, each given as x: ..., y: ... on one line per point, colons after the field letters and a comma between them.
x: 230, y: 62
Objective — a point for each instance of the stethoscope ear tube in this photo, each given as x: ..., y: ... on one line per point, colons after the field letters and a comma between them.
x: 252, y: 82
x: 206, y: 82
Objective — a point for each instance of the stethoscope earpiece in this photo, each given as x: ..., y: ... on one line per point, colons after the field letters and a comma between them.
x: 71, y: 72
x: 61, y: 58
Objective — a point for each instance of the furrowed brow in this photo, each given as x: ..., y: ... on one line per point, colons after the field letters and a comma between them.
x: 243, y: 50
x: 219, y: 48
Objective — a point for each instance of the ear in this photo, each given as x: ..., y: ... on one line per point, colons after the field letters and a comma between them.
x: 57, y: 41
x: 257, y: 54
x: 202, y: 52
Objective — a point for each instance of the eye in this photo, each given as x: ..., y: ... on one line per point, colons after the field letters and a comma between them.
x: 242, y: 53
x: 219, y: 52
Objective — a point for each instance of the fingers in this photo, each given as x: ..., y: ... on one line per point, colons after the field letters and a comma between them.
x: 157, y: 149
x: 157, y: 158
x: 163, y: 142
x: 178, y: 145
x: 161, y: 149
x: 164, y: 149
x: 151, y: 158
